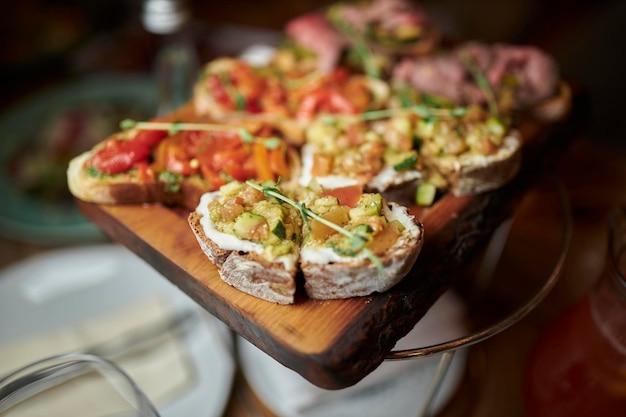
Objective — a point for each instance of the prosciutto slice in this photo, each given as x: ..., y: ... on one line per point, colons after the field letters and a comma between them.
x: 314, y: 32
x: 536, y: 74
x: 387, y: 13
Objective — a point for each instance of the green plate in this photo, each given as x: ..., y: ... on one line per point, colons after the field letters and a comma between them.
x: 28, y: 216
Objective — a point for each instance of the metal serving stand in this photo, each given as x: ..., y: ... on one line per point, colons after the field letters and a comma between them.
x: 493, y: 251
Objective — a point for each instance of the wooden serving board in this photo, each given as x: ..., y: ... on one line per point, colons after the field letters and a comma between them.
x: 334, y: 344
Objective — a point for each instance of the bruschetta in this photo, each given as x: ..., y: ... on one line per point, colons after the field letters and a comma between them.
x: 253, y: 240
x: 382, y: 246
x: 260, y: 239
x: 175, y: 163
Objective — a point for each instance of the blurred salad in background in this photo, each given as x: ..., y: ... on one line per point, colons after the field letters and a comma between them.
x: 41, y: 135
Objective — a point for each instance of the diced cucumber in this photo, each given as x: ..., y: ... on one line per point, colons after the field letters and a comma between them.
x: 278, y: 229
x: 273, y: 215
x: 285, y: 247
x: 231, y: 188
x: 246, y: 223
x: 172, y: 181
x: 408, y: 162
x: 425, y: 194
x: 369, y: 204
x: 363, y: 229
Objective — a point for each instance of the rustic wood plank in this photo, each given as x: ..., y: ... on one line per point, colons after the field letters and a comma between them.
x: 334, y: 344
x: 331, y: 343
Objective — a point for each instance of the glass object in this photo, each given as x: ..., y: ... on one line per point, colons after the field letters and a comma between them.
x: 25, y: 384
x: 176, y: 64
x: 578, y: 365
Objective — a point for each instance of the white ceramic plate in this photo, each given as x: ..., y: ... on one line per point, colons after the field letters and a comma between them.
x: 65, y: 287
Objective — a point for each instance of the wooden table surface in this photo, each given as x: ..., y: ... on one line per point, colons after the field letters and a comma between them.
x: 595, y: 180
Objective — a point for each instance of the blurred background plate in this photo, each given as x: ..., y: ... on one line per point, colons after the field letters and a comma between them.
x: 41, y: 134
x: 74, y: 298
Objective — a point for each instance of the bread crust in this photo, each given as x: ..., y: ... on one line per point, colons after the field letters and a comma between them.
x: 247, y: 271
x: 128, y: 190
x: 355, y: 277
x: 125, y: 189
x: 554, y: 108
x: 474, y: 174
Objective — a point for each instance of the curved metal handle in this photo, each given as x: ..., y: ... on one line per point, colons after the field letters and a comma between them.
x: 518, y: 314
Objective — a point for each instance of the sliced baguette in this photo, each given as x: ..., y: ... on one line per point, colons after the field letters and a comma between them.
x: 240, y: 263
x: 126, y: 189
x: 328, y: 275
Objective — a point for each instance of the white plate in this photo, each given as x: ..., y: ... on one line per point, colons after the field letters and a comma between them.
x: 394, y: 389
x: 67, y: 287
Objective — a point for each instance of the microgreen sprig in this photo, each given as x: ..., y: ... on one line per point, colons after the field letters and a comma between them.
x: 418, y: 109
x: 482, y: 82
x: 174, y: 127
x: 361, y: 48
x: 357, y: 241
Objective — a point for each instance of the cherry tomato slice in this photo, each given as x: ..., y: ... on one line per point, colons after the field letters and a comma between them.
x: 120, y: 155
x: 347, y: 196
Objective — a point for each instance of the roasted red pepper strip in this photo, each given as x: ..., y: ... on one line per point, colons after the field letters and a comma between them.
x: 120, y: 155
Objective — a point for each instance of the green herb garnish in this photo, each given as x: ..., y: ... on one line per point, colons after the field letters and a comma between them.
x: 357, y: 241
x: 94, y: 172
x: 173, y: 127
x: 418, y: 109
x: 172, y: 181
x: 406, y: 163
x: 482, y: 82
x: 361, y: 48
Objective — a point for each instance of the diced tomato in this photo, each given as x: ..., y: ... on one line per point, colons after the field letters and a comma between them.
x: 278, y: 162
x: 264, y: 172
x: 174, y: 154
x: 322, y: 165
x: 231, y: 209
x: 149, y: 138
x: 247, y: 83
x: 219, y: 159
x: 310, y: 105
x: 238, y: 89
x: 357, y: 92
x: 221, y: 141
x: 274, y: 100
x: 144, y: 172
x: 121, y: 155
x: 338, y: 103
x: 324, y: 100
x: 212, y: 177
x: 238, y: 171
x: 347, y: 196
x: 219, y: 92
x: 197, y: 141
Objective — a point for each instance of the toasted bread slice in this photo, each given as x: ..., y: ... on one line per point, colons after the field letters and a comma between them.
x: 386, y: 178
x: 471, y: 173
x: 247, y: 271
x: 377, y: 154
x: 328, y: 275
x: 243, y: 263
x: 128, y: 189
x: 176, y: 171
